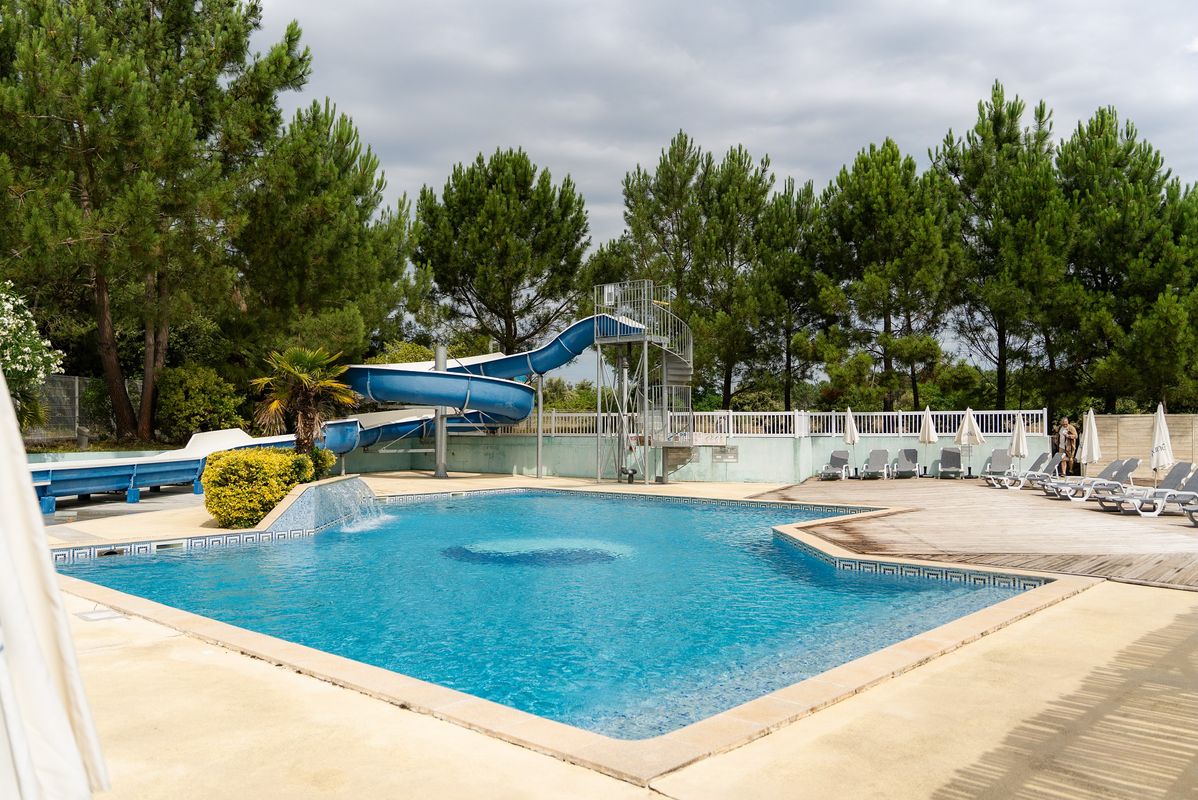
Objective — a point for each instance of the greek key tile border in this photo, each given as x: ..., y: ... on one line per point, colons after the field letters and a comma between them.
x: 946, y: 573
x: 74, y: 554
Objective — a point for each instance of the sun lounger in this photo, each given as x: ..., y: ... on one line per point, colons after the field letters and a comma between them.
x: 907, y: 464
x: 950, y: 463
x: 1037, y: 478
x: 1149, y: 501
x: 878, y: 465
x: 999, y: 466
x: 837, y: 467
x: 1092, y: 490
x: 1052, y: 488
x: 1014, y: 479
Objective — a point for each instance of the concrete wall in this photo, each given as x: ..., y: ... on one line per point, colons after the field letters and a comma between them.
x: 759, y: 460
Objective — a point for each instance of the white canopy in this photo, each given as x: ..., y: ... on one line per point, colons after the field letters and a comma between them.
x: 850, y: 427
x: 1018, y: 446
x: 969, y: 434
x: 1162, y: 448
x: 48, y: 744
x: 1089, y: 452
x: 927, y: 428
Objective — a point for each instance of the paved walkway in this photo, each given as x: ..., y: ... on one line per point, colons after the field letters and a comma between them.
x: 966, y: 521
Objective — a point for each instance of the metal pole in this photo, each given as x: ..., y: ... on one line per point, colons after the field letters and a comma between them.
x: 540, y: 422
x: 598, y: 412
x: 441, y: 431
x: 645, y: 405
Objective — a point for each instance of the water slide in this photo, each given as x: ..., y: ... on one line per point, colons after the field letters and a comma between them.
x: 482, y: 389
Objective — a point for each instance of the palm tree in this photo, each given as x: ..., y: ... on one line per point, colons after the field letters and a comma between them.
x: 303, y: 383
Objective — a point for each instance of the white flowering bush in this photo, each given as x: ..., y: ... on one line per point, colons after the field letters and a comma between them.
x: 25, y: 357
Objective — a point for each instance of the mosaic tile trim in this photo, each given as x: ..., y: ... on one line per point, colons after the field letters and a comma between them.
x: 945, y: 573
x: 71, y: 555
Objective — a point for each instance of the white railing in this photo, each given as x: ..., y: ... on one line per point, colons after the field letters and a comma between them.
x: 712, y: 425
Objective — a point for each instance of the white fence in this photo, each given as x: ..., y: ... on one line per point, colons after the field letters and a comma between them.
x: 713, y: 425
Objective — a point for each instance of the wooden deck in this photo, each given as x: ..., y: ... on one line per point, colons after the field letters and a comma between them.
x: 964, y: 521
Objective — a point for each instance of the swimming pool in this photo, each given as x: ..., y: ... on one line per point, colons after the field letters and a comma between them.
x: 628, y: 616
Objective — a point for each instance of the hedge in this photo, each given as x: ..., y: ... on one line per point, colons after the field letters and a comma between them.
x: 242, y: 486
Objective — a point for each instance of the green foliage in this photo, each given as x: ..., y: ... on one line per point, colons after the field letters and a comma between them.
x: 505, y: 247
x: 882, y: 238
x: 25, y: 357
x: 242, y: 486
x: 317, y: 240
x: 400, y: 352
x: 304, y: 386
x: 193, y: 399
x: 322, y: 462
x: 695, y: 224
x: 126, y: 131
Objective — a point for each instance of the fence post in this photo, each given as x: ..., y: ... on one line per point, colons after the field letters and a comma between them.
x: 553, y: 422
x: 76, y: 403
x: 730, y: 423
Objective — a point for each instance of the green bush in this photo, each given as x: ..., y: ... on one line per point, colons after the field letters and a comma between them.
x: 193, y: 399
x: 322, y: 462
x: 242, y: 486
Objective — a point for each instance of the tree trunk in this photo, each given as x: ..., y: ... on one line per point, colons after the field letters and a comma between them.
x: 914, y: 389
x: 727, y: 400
x: 114, y: 378
x: 787, y: 375
x: 1000, y: 367
x: 157, y: 331
x: 887, y: 362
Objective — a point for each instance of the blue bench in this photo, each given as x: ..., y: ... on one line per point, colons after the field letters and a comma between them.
x: 55, y: 482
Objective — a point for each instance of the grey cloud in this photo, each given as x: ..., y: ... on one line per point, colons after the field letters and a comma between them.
x: 593, y: 88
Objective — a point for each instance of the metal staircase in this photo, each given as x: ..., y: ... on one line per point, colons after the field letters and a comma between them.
x: 645, y: 423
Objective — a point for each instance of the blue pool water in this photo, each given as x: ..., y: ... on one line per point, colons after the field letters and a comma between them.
x: 627, y: 616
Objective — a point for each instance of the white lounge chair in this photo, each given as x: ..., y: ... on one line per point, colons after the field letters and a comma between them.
x: 906, y: 465
x: 950, y: 463
x: 878, y: 465
x: 1149, y: 501
x: 1013, y: 475
x: 1052, y: 488
x: 837, y: 467
x: 999, y: 466
x: 1092, y: 490
x: 1037, y: 475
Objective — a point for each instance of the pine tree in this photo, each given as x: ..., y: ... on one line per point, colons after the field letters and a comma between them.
x: 505, y: 246
x: 127, y: 127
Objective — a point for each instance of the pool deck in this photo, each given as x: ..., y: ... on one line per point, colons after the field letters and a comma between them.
x: 1095, y: 696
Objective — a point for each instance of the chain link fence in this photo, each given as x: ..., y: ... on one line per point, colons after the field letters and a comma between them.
x: 71, y: 401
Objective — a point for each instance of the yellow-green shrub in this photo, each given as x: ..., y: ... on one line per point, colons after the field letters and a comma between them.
x: 323, y: 461
x: 242, y: 486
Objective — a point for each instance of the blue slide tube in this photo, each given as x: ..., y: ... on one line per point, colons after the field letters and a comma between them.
x: 485, y: 392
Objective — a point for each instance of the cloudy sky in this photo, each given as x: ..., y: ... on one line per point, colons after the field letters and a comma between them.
x: 594, y: 88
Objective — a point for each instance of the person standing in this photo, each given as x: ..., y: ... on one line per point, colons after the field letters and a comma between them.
x: 1066, y: 445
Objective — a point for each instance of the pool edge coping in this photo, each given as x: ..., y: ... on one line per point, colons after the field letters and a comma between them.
x: 635, y: 761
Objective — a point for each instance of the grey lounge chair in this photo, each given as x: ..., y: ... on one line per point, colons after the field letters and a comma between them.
x: 1014, y: 477
x: 950, y: 463
x: 999, y: 466
x: 1149, y: 501
x: 878, y: 465
x: 1156, y: 502
x: 906, y: 465
x: 837, y: 467
x: 1053, y: 488
x: 1092, y: 490
x: 1045, y: 474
